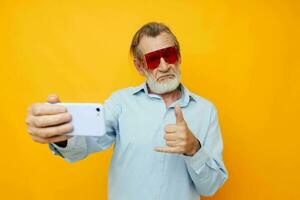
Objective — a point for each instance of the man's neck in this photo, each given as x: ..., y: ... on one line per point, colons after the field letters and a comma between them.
x: 169, y: 97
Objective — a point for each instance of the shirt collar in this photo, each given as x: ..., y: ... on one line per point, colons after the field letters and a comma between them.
x: 142, y: 87
x: 186, y: 95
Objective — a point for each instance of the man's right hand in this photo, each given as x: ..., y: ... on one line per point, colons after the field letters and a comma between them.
x: 48, y: 123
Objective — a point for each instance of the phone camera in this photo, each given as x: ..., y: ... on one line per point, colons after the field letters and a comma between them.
x: 98, y: 109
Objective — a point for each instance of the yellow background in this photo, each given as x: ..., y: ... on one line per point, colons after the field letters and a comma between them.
x: 242, y: 55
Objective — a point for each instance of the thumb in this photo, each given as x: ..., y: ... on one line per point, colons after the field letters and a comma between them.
x: 53, y: 98
x: 178, y: 115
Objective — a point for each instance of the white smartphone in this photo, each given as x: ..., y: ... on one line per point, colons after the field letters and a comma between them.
x: 87, y: 118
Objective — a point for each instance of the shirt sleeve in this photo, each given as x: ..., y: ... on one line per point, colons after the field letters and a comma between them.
x: 79, y: 147
x: 206, y: 167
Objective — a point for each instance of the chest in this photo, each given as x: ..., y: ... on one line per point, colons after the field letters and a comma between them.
x: 142, y: 124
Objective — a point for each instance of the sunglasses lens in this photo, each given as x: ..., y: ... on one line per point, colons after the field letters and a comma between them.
x: 153, y: 59
x: 169, y: 54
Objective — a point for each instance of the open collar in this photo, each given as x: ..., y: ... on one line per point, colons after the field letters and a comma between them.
x: 186, y: 95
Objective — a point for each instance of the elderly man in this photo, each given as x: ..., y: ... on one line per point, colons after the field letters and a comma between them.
x: 167, y: 140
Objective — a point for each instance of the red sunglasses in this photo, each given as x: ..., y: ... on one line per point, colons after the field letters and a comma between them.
x: 169, y: 54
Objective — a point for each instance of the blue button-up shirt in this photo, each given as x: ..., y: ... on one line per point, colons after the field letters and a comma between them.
x: 135, y: 121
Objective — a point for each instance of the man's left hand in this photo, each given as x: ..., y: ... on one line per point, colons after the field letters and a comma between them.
x: 179, y: 138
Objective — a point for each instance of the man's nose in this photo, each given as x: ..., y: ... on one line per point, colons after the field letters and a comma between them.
x: 163, y: 66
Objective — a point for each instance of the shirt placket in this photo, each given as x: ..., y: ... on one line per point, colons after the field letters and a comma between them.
x: 163, y: 159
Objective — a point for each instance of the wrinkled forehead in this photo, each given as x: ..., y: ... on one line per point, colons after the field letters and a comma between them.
x: 149, y: 44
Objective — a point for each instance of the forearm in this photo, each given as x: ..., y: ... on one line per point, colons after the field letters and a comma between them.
x: 78, y: 147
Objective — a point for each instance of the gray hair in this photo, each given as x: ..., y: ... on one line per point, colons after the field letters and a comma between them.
x: 151, y: 29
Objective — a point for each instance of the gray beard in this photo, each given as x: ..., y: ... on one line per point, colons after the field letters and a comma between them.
x: 165, y: 86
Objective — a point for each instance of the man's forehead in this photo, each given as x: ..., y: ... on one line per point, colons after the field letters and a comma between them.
x: 148, y: 44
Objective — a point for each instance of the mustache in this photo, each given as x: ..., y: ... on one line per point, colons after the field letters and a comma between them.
x: 170, y: 75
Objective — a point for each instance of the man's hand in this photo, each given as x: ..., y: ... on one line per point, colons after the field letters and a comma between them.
x: 48, y: 123
x: 179, y: 138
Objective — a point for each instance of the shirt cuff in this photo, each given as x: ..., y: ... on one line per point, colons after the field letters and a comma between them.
x: 54, y: 149
x: 198, y: 159
x: 74, y: 143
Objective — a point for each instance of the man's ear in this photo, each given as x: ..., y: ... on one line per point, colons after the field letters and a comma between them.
x: 139, y: 66
x: 179, y: 58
